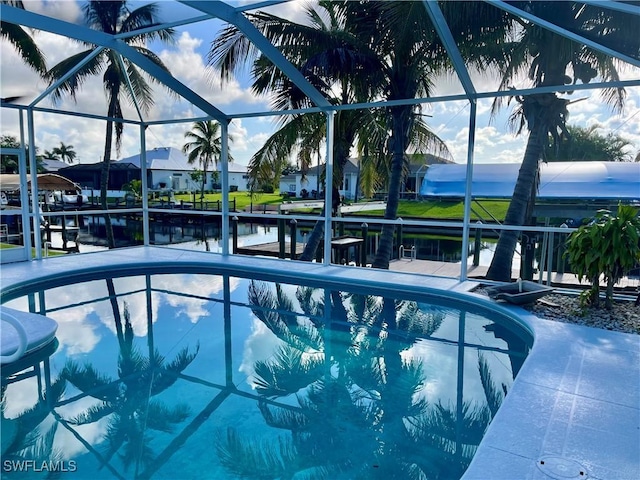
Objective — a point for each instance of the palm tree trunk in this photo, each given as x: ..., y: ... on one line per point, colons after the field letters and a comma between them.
x: 500, y: 268
x: 315, y: 237
x: 385, y: 247
x: 340, y: 154
x: 204, y: 180
x: 104, y: 175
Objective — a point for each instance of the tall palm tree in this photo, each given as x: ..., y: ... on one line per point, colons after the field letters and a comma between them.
x: 408, y: 55
x: 551, y: 60
x: 66, y: 152
x: 114, y: 17
x: 337, y: 59
x: 204, y: 147
x: 323, y: 50
x: 22, y: 41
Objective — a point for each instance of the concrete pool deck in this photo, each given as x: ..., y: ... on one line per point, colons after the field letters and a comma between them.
x: 572, y: 412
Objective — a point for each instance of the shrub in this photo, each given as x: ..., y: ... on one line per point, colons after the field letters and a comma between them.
x: 607, y: 246
x: 266, y: 188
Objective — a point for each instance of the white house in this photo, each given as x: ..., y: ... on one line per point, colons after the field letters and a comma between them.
x: 168, y: 167
x: 296, y: 184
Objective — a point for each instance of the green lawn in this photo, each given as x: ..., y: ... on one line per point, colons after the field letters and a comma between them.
x: 243, y: 199
x: 446, y: 210
x: 438, y: 210
x: 52, y: 253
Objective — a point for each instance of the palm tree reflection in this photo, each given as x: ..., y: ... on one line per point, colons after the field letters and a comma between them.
x: 349, y: 395
x: 127, y: 401
x: 23, y: 438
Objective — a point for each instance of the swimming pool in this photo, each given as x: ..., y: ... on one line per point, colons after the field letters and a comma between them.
x: 192, y: 374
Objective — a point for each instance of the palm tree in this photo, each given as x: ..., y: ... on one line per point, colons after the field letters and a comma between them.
x: 22, y: 42
x: 551, y: 60
x: 51, y: 155
x: 204, y: 147
x: 335, y: 57
x: 113, y: 17
x: 407, y: 55
x: 66, y: 152
x: 587, y: 144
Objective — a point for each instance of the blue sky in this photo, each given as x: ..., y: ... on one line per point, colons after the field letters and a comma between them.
x: 187, y: 61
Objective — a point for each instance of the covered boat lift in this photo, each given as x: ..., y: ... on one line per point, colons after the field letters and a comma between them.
x: 558, y: 180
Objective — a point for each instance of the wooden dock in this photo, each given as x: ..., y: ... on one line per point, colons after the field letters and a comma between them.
x: 271, y: 249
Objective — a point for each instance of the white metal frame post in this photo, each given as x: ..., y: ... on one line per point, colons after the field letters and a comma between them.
x: 467, y: 193
x: 35, y: 207
x: 328, y: 187
x: 224, y: 160
x: 144, y: 185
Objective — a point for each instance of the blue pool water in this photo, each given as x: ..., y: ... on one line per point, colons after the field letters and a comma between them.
x: 184, y: 375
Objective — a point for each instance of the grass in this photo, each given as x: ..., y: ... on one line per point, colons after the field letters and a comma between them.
x: 243, y: 199
x: 52, y: 253
x: 434, y: 210
x: 446, y: 210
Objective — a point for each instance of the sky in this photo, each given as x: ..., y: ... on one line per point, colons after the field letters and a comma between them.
x: 187, y: 60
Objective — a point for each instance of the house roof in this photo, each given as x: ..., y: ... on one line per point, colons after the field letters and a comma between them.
x: 589, y: 180
x: 169, y: 158
x: 417, y: 162
x: 53, y: 165
x: 98, y: 165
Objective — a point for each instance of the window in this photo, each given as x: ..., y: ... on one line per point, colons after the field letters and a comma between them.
x: 292, y: 187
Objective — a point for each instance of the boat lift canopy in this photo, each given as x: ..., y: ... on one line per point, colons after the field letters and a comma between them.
x: 558, y: 180
x: 10, y: 182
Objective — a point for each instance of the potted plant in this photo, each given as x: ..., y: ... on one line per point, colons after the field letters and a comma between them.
x: 608, y: 247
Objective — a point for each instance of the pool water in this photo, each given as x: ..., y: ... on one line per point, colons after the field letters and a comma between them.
x: 184, y: 375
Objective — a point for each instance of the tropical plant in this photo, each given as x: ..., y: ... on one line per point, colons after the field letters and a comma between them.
x: 587, y: 144
x: 607, y: 247
x: 133, y: 188
x: 128, y: 402
x: 66, y: 152
x: 9, y: 163
x: 204, y: 147
x: 551, y: 60
x: 136, y: 27
x: 22, y: 41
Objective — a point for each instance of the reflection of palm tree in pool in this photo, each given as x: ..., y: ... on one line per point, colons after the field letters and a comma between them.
x: 128, y: 400
x: 22, y: 437
x: 358, y: 415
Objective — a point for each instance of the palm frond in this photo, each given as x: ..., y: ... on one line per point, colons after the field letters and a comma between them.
x: 87, y: 379
x: 287, y: 372
x: 92, y: 414
x: 492, y: 394
x: 249, y: 457
x: 283, y: 418
x: 163, y: 418
x: 72, y: 84
x: 25, y: 46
